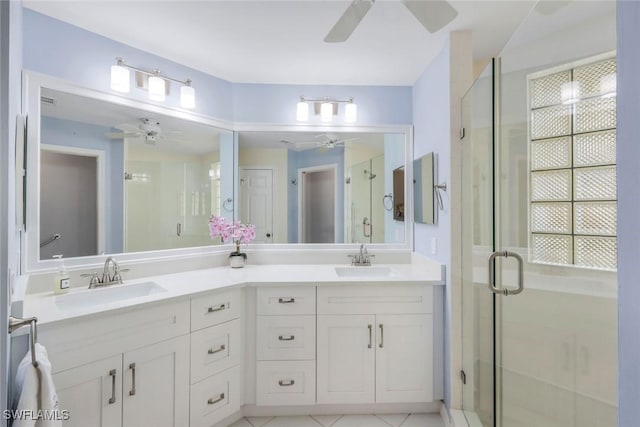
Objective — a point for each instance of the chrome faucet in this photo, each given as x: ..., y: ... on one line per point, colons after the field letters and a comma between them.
x: 107, y: 277
x: 363, y: 258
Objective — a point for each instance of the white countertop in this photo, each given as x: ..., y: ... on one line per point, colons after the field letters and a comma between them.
x: 45, y: 306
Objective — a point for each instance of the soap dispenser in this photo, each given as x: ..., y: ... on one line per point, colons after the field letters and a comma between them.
x: 61, y: 279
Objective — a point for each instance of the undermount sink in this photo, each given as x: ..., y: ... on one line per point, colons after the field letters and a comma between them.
x: 107, y: 295
x: 365, y: 271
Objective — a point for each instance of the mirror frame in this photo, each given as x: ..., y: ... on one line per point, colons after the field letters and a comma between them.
x: 32, y: 82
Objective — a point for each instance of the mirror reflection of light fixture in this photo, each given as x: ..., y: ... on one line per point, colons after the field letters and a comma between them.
x: 120, y: 77
x: 302, y: 110
x: 326, y: 108
x: 570, y: 92
x: 153, y: 81
x: 608, y: 85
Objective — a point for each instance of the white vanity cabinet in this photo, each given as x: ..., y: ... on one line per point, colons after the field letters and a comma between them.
x: 140, y: 382
x: 375, y: 344
x: 216, y: 337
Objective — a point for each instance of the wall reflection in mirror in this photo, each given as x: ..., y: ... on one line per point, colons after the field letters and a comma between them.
x: 117, y: 179
x: 319, y: 187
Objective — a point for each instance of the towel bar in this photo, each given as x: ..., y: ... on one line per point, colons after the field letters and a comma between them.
x: 15, y: 323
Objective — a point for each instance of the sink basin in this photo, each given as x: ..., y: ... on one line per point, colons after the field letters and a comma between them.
x: 365, y: 272
x: 107, y: 295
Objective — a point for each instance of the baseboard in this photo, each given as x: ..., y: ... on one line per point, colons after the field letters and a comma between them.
x: 229, y: 420
x: 456, y: 418
x: 374, y: 408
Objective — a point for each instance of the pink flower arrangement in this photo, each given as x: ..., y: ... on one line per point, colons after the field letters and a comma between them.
x: 237, y: 232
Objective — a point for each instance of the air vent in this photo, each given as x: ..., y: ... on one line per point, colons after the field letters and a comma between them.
x: 47, y: 100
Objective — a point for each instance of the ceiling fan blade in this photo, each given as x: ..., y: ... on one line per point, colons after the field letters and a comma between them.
x: 549, y: 7
x: 348, y: 22
x: 432, y: 14
x: 121, y: 135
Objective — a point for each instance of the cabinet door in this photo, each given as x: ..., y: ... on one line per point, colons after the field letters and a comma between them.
x: 156, y: 385
x: 346, y: 359
x: 92, y: 393
x: 404, y: 358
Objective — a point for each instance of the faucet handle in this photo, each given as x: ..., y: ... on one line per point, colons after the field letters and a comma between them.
x: 94, y: 278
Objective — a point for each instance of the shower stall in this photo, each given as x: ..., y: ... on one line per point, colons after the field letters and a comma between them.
x: 538, y: 174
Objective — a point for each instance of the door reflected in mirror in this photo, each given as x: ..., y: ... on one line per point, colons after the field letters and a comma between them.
x: 315, y: 187
x: 117, y: 179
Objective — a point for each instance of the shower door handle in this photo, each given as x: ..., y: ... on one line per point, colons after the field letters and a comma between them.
x: 366, y: 227
x: 492, y: 273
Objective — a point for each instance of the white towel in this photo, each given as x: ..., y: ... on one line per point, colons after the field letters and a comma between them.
x: 35, y: 399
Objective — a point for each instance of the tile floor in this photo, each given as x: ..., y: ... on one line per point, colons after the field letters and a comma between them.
x: 394, y: 420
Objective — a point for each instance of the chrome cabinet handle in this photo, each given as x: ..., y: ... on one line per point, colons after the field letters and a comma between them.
x: 222, y: 348
x: 287, y: 337
x: 112, y: 374
x: 286, y: 300
x: 213, y: 401
x: 214, y: 309
x: 286, y: 383
x: 370, y: 336
x: 132, y: 392
x: 179, y: 229
x: 381, y: 335
x: 492, y: 273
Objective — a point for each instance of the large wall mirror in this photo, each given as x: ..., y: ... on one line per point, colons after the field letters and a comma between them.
x: 320, y: 187
x: 110, y: 178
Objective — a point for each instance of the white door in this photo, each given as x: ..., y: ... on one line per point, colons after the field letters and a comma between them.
x: 404, y: 358
x: 256, y: 202
x: 156, y: 385
x: 92, y: 393
x: 346, y: 359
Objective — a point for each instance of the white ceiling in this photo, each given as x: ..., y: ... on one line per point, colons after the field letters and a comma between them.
x: 273, y: 41
x: 289, y: 140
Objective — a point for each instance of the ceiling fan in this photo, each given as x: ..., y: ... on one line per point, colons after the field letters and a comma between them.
x: 323, y: 142
x: 432, y: 14
x: 148, y: 129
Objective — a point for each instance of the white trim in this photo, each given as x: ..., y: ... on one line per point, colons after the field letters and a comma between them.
x: 99, y: 155
x: 336, y: 212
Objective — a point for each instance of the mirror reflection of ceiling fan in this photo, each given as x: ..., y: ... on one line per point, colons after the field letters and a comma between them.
x: 432, y: 14
x: 148, y: 130
x: 323, y: 142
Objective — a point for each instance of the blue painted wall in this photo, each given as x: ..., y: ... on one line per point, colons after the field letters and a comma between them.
x: 70, y: 133
x: 305, y: 159
x: 628, y: 153
x: 431, y: 132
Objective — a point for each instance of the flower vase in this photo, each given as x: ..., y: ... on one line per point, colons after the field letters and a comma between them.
x: 237, y: 260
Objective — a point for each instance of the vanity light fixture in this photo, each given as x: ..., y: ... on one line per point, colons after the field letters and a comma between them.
x: 326, y: 108
x: 153, y: 81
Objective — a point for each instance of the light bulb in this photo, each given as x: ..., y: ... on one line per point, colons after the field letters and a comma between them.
x: 156, y: 88
x: 326, y: 112
x: 119, y: 78
x: 302, y: 111
x: 350, y: 113
x: 570, y: 92
x: 187, y: 97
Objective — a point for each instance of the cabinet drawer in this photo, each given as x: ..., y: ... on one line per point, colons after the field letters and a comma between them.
x: 286, y: 337
x: 286, y: 300
x: 215, y: 308
x: 286, y: 383
x: 400, y: 299
x: 215, y: 398
x: 215, y: 349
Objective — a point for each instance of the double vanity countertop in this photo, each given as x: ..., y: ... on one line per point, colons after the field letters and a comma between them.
x: 80, y: 301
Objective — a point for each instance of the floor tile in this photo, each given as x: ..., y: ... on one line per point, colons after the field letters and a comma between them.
x: 326, y: 420
x: 360, y: 421
x: 292, y: 422
x: 423, y: 420
x: 241, y: 423
x: 394, y: 420
x: 259, y: 421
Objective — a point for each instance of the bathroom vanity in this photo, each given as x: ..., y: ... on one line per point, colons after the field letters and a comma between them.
x: 205, y: 347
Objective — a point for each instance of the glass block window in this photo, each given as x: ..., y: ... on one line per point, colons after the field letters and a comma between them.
x: 572, y: 164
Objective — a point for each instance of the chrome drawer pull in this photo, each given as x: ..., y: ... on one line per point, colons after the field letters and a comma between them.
x: 222, y: 348
x: 132, y: 392
x: 370, y: 336
x: 287, y: 337
x: 214, y: 309
x: 286, y: 383
x: 213, y: 401
x: 381, y: 336
x: 286, y: 300
x: 112, y: 374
